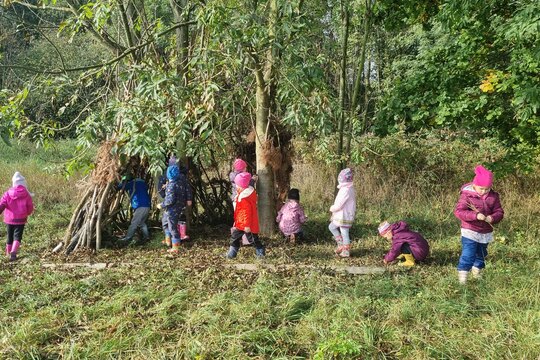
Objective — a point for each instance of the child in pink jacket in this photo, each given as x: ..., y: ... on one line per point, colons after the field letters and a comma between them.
x: 291, y: 216
x: 343, y: 212
x: 478, y: 208
x: 18, y: 205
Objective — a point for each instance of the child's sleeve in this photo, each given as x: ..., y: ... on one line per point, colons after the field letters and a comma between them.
x: 3, y: 203
x: 462, y: 210
x: 498, y: 212
x: 29, y: 204
x: 395, y: 250
x: 301, y: 216
x: 341, y: 198
x: 279, y: 215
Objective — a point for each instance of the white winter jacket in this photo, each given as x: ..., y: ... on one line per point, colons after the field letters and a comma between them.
x: 344, y: 207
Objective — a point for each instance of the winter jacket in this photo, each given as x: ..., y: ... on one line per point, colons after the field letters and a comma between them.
x: 177, y: 193
x: 245, y: 211
x: 471, y: 203
x: 17, y: 204
x: 402, y: 235
x: 344, y: 207
x: 137, y: 191
x: 291, y: 217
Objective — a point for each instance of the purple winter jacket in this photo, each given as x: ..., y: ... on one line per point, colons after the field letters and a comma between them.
x: 402, y: 235
x: 488, y: 204
x: 291, y: 217
x: 17, y: 204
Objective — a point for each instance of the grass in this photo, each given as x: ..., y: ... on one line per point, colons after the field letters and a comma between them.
x: 150, y: 306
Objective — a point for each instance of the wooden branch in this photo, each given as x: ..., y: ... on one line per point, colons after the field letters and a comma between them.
x: 100, y: 213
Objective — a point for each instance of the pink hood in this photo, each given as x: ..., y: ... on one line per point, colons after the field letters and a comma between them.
x: 17, y: 205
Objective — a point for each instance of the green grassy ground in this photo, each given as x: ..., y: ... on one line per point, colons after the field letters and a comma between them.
x: 152, y: 306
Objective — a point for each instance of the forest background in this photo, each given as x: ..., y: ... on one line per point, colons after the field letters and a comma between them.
x: 410, y: 94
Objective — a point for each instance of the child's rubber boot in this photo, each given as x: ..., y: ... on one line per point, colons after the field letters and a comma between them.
x: 476, y: 272
x: 339, y: 242
x: 409, y: 260
x: 260, y: 252
x: 231, y: 254
x: 8, y: 250
x: 182, y: 229
x: 345, y: 251
x: 462, y: 276
x: 14, y: 249
x: 167, y: 241
x: 175, y: 249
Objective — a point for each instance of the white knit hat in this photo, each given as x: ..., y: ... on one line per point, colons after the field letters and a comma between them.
x: 18, y: 179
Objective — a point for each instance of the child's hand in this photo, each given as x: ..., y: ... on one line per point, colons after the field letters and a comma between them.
x: 385, y: 262
x: 247, y: 229
x: 480, y: 217
x: 489, y: 219
x: 255, y: 177
x: 159, y: 206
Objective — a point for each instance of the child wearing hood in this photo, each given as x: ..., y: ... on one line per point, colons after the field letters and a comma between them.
x: 177, y: 196
x: 406, y: 244
x: 246, y: 219
x: 343, y: 211
x: 478, y: 208
x: 18, y: 205
x: 161, y: 186
x: 239, y: 166
x: 291, y: 216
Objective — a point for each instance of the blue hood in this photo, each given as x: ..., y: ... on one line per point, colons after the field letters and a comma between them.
x: 173, y: 172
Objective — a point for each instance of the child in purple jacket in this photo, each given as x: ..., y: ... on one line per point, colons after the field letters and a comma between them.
x: 291, y: 216
x: 18, y: 205
x: 406, y: 244
x: 478, y: 209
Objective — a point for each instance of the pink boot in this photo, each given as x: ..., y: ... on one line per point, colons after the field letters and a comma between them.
x: 8, y: 249
x: 345, y: 251
x: 14, y: 250
x: 339, y: 241
x: 182, y: 229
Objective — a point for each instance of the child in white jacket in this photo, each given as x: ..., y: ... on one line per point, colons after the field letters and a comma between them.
x: 343, y: 212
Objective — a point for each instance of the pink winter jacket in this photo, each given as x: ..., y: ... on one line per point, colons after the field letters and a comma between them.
x: 17, y: 204
x: 344, y: 208
x: 290, y: 217
x: 488, y: 204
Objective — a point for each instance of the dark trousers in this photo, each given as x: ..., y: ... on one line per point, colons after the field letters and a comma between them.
x: 14, y: 232
x: 236, y: 239
x: 406, y: 249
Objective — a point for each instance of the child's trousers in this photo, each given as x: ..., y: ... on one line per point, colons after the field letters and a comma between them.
x: 14, y: 233
x: 340, y: 231
x: 472, y: 254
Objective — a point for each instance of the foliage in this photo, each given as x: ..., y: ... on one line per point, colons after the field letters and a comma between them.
x: 475, y: 69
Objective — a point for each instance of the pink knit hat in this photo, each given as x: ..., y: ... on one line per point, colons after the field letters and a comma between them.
x: 239, y: 165
x: 483, y: 177
x: 383, y: 228
x: 242, y: 180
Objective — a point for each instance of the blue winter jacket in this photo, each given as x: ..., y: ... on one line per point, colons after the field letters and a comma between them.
x: 177, y: 192
x: 137, y: 191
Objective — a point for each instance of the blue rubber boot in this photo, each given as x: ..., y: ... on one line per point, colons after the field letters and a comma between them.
x: 260, y: 252
x: 233, y: 251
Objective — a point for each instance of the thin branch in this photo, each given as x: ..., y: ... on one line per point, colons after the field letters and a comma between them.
x: 105, y: 64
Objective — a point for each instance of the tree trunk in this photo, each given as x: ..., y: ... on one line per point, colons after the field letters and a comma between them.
x: 343, y: 85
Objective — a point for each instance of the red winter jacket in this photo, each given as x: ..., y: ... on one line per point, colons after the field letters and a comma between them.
x: 245, y: 212
x: 488, y: 204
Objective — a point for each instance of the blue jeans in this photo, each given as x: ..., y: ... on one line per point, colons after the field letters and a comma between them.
x: 472, y: 254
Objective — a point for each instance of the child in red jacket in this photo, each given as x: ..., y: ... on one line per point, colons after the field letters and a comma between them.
x: 246, y: 219
x: 478, y: 208
x: 18, y: 205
